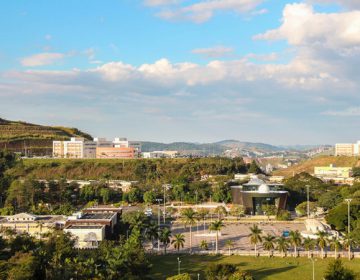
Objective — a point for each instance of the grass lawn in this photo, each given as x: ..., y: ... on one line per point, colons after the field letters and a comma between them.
x: 261, y: 268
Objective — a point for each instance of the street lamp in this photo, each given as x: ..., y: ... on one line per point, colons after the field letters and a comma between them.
x: 158, y: 200
x: 165, y: 186
x: 179, y: 262
x: 313, y: 268
x: 198, y: 276
x: 308, y: 201
x: 348, y: 200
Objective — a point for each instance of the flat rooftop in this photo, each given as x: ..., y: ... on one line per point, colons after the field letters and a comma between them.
x: 97, y: 216
x: 85, y: 227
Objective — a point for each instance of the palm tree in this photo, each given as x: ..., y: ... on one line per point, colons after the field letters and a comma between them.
x: 152, y: 233
x: 309, y: 245
x: 348, y: 244
x: 282, y: 245
x: 165, y: 235
x: 217, y: 226
x: 268, y: 243
x: 178, y: 241
x: 189, y: 217
x: 321, y: 241
x: 230, y: 244
x: 255, y: 236
x: 335, y: 245
x: 204, y: 245
x: 295, y: 240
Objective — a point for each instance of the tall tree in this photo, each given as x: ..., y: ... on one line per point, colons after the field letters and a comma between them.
x: 295, y: 240
x: 178, y: 241
x: 217, y: 226
x: 335, y: 245
x: 255, y: 236
x: 189, y: 218
x: 337, y: 271
x: 165, y: 236
x: 309, y: 245
x: 282, y: 245
x: 268, y: 243
x: 322, y: 241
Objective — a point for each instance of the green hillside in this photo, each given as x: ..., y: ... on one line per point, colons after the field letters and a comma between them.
x: 308, y: 165
x: 33, y: 139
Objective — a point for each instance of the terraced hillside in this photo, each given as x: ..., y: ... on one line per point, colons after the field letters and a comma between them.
x: 308, y: 165
x: 33, y: 139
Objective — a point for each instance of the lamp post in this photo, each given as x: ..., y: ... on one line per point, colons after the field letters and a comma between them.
x: 158, y: 200
x: 313, y: 268
x: 308, y: 201
x: 165, y: 186
x: 179, y: 262
x: 348, y: 200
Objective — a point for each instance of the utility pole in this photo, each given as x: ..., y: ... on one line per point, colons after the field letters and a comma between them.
x: 348, y: 200
x: 159, y: 200
x: 308, y: 201
x: 165, y: 186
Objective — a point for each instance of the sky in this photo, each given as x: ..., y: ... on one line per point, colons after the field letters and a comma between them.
x: 271, y: 71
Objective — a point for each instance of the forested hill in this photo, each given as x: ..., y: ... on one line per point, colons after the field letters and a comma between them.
x: 33, y: 139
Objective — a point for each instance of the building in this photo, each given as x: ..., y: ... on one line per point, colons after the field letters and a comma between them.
x: 116, y: 152
x: 35, y: 225
x: 94, y: 225
x: 347, y: 149
x: 333, y: 171
x: 124, y: 143
x: 161, y: 154
x: 77, y: 147
x: 256, y: 193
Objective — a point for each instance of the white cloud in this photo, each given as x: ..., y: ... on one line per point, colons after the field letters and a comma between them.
x: 214, y: 52
x: 204, y: 10
x: 160, y: 2
x: 349, y: 112
x: 41, y: 59
x: 355, y: 4
x: 301, y: 25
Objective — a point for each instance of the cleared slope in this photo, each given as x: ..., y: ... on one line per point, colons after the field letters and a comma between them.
x: 308, y: 165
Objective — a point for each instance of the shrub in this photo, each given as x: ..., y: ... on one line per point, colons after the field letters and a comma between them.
x: 183, y: 276
x: 283, y: 215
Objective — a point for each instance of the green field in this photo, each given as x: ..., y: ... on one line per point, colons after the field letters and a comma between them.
x: 261, y: 268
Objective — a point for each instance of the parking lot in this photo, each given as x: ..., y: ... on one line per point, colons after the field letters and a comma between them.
x: 237, y: 232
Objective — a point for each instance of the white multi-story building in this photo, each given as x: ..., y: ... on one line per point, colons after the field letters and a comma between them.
x: 124, y: 143
x: 161, y: 154
x: 347, y: 149
x: 77, y: 147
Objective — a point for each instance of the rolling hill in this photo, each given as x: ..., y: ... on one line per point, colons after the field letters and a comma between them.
x: 33, y: 139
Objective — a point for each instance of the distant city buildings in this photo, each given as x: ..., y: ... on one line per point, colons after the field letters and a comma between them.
x: 347, y: 149
x: 79, y: 148
x: 161, y: 154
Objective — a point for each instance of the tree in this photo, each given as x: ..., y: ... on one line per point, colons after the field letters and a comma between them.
x: 204, y: 245
x: 237, y: 210
x: 217, y: 226
x: 241, y: 275
x: 220, y: 210
x: 283, y: 215
x: 349, y: 243
x: 335, y: 245
x: 219, y: 271
x: 152, y: 233
x: 254, y: 168
x: 269, y: 209
x: 230, y: 244
x: 149, y: 197
x: 178, y: 241
x: 337, y: 271
x: 282, y: 245
x: 189, y: 216
x: 321, y: 241
x: 23, y: 266
x: 165, y: 236
x: 301, y: 209
x: 295, y: 240
x: 329, y: 200
x: 309, y: 245
x: 255, y: 236
x: 268, y: 243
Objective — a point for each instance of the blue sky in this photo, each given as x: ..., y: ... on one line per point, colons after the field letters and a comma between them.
x: 271, y: 71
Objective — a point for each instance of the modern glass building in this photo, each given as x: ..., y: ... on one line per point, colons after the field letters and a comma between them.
x: 256, y: 193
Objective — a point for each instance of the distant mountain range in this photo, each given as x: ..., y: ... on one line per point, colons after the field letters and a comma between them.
x: 33, y: 139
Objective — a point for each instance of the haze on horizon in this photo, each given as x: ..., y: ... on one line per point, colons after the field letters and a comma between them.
x: 278, y: 72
